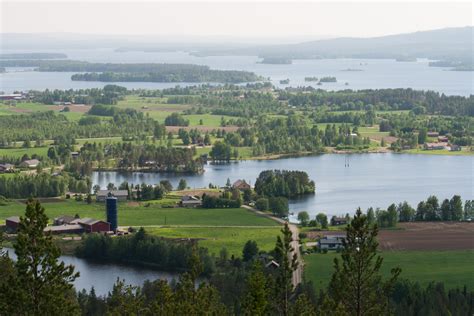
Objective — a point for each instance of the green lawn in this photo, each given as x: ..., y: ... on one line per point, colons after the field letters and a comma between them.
x: 465, y: 152
x: 209, y: 120
x: 216, y: 238
x: 454, y: 268
x: 154, y: 214
x: 19, y: 152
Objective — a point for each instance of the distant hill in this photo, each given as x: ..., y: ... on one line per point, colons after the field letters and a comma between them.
x: 454, y: 44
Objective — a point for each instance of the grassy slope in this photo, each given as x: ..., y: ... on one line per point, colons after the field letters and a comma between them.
x: 152, y: 215
x: 454, y: 268
x: 216, y: 238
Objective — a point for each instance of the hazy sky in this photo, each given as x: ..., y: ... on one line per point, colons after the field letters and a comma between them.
x: 235, y: 19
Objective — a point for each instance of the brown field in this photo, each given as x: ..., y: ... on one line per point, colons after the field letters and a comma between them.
x: 422, y: 236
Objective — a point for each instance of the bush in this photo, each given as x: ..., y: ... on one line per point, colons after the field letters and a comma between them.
x: 262, y: 204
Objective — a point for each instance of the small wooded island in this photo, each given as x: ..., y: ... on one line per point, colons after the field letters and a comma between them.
x: 276, y: 61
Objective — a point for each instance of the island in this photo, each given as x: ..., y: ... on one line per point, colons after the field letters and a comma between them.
x: 276, y: 61
x: 285, y: 81
x: 328, y: 79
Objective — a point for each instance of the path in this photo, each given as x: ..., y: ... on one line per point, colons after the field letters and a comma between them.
x: 298, y: 273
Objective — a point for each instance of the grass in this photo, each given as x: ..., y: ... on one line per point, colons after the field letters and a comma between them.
x: 19, y: 152
x: 453, y: 268
x: 154, y: 214
x: 209, y: 120
x: 464, y: 152
x: 216, y: 238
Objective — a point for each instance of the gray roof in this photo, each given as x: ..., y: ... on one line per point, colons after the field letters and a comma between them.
x: 15, y: 219
x: 62, y: 228
x: 86, y: 221
x: 114, y: 192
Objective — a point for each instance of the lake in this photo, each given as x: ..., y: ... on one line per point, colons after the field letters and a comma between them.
x: 373, y: 74
x: 103, y: 276
x: 375, y: 180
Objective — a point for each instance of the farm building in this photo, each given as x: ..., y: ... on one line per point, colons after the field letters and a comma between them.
x: 91, y: 225
x: 336, y: 221
x: 121, y: 195
x: 12, y: 223
x: 435, y: 146
x: 241, y: 185
x: 443, y: 139
x: 331, y: 242
x: 63, y: 220
x: 6, y: 167
x: 64, y: 229
x: 432, y: 134
x: 32, y: 163
x: 190, y: 201
x: 454, y: 148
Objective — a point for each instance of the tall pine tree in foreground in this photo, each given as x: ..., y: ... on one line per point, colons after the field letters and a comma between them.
x: 40, y: 284
x: 288, y: 263
x: 356, y: 284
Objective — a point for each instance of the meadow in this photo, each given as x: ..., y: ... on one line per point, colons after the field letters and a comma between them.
x: 454, y: 268
x: 147, y: 214
x: 216, y: 238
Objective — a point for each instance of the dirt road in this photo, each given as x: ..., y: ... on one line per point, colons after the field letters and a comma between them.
x: 298, y: 273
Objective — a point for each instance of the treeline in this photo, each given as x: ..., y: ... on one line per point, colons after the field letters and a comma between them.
x: 429, y: 210
x: 110, y: 94
x: 32, y: 56
x: 287, y: 183
x: 42, y: 185
x: 383, y: 100
x: 142, y: 248
x: 47, y: 125
x: 127, y: 155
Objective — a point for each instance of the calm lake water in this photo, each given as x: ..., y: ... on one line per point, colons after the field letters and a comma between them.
x: 103, y: 276
x: 374, y: 74
x: 370, y: 180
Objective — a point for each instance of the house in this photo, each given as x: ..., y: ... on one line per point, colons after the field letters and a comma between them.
x: 435, y: 146
x: 453, y: 147
x: 64, y: 229
x: 432, y: 134
x: 13, y: 96
x: 331, y: 242
x: 6, y: 168
x: 241, y: 185
x: 91, y: 225
x: 63, y: 220
x: 12, y: 223
x: 190, y: 201
x: 443, y: 139
x: 102, y: 195
x: 32, y: 163
x: 74, y: 154
x: 272, y: 264
x: 336, y: 221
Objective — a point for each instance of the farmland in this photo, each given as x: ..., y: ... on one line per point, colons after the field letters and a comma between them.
x: 454, y: 268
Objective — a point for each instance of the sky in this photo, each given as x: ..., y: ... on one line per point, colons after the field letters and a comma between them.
x: 244, y: 19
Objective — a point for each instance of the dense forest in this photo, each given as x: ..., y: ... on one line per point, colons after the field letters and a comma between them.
x: 283, y: 183
x: 109, y: 72
x: 42, y: 185
x: 142, y: 248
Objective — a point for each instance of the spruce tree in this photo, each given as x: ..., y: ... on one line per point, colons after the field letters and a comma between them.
x: 255, y: 301
x: 287, y: 259
x: 41, y: 284
x: 356, y: 282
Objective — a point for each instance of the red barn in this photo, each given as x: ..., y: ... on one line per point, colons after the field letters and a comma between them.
x: 91, y: 225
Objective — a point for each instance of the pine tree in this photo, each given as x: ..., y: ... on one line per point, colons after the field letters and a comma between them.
x: 41, y: 285
x: 255, y: 301
x: 287, y: 265
x: 356, y: 282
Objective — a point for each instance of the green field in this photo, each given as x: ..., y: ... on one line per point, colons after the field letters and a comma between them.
x: 216, y: 238
x: 19, y: 152
x: 465, y: 152
x: 454, y: 268
x: 154, y: 214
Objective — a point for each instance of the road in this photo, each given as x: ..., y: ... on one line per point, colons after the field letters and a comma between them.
x: 298, y: 273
